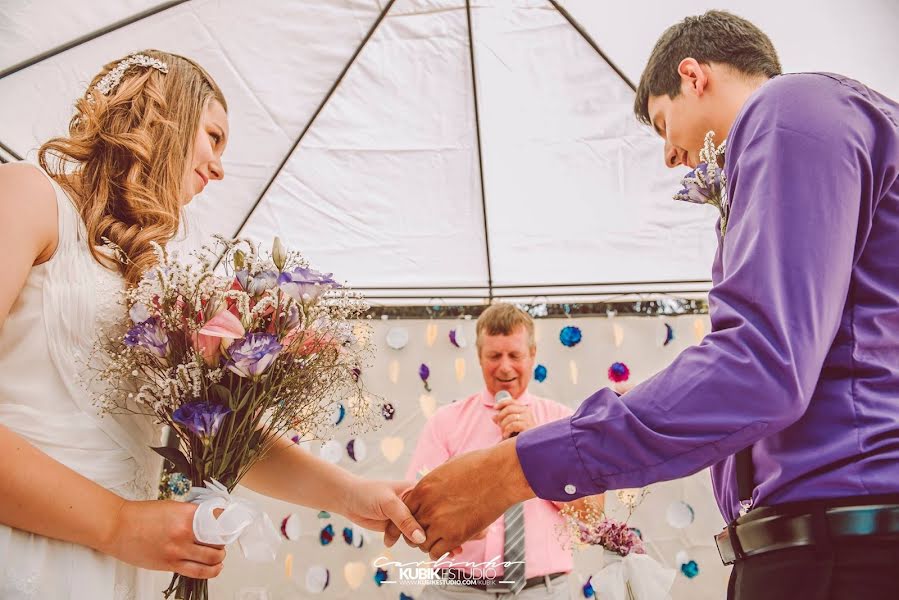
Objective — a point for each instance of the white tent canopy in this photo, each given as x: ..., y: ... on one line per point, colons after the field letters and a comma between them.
x: 432, y: 148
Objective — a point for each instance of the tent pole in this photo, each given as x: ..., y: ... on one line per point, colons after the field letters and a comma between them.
x: 88, y: 37
x: 477, y: 124
x: 577, y: 26
x: 308, y: 126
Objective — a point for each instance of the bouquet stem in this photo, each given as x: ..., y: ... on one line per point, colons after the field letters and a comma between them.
x: 187, y: 588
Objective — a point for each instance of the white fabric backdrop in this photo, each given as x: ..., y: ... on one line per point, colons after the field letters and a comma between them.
x: 385, y: 187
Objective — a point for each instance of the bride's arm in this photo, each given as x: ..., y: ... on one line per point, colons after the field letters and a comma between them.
x: 294, y: 475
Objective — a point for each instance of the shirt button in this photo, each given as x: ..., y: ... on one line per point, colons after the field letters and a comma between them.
x: 570, y: 489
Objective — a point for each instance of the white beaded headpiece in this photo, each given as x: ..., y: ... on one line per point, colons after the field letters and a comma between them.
x: 112, y: 79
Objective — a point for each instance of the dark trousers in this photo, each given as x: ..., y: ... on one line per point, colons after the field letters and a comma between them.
x: 846, y: 569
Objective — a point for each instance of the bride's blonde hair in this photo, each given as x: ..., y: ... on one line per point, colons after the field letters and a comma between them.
x: 126, y: 154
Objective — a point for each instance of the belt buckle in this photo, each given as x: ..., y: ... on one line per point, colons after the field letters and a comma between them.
x: 724, y: 543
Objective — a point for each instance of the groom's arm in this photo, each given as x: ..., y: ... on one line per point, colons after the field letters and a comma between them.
x: 787, y: 261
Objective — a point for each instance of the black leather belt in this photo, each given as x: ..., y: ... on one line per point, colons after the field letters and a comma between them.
x: 462, y: 576
x: 765, y: 529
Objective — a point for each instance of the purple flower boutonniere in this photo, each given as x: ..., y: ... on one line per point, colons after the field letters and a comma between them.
x: 707, y: 183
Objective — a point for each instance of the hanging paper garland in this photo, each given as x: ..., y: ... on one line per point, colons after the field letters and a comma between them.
x: 339, y: 414
x: 669, y: 334
x: 331, y: 451
x: 431, y: 334
x: 540, y: 373
x: 380, y: 576
x: 397, y: 337
x: 357, y: 450
x: 570, y: 336
x: 326, y: 535
x: 387, y: 411
x: 428, y: 405
x: 679, y: 514
x: 619, y: 372
x: 690, y: 569
x: 290, y: 527
x: 317, y: 579
x: 457, y: 338
x: 424, y: 373
x: 588, y: 590
x: 288, y: 566
x: 354, y: 573
x: 392, y: 448
x: 393, y: 371
x: 460, y: 369
x: 348, y: 535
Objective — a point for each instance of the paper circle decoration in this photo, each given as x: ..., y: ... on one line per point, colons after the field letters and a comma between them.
x: 679, y: 514
x: 570, y: 336
x: 290, y: 527
x: 317, y: 579
x: 331, y: 451
x: 457, y: 338
x: 428, y: 405
x: 339, y: 414
x: 357, y: 449
x: 397, y: 337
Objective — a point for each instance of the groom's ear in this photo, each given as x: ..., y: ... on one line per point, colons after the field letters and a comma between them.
x: 694, y: 76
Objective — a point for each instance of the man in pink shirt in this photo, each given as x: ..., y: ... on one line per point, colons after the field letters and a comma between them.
x: 506, y: 350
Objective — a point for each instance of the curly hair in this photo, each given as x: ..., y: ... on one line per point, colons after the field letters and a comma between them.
x: 124, y: 158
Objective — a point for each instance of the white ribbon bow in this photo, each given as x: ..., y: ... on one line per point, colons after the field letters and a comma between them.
x: 240, y: 520
x: 635, y: 577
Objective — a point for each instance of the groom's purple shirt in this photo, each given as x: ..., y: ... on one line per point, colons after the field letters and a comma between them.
x: 803, y: 359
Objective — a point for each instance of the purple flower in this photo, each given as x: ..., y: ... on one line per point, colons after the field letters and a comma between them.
x: 150, y: 336
x: 701, y: 188
x: 258, y: 283
x: 303, y: 284
x: 253, y: 353
x: 202, y: 418
x: 612, y: 535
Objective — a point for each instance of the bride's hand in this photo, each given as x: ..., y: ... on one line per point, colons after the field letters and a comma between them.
x: 374, y: 504
x: 159, y: 535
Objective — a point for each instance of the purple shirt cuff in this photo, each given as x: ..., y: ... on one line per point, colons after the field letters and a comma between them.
x: 551, y: 463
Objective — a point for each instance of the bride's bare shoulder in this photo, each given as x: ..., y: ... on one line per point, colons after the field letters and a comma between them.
x: 28, y: 209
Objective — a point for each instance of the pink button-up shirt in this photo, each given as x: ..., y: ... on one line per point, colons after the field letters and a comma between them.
x: 467, y: 425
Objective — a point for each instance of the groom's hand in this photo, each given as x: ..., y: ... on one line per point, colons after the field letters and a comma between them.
x: 458, y: 500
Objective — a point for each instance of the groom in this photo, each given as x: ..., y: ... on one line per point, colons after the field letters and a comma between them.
x: 794, y: 396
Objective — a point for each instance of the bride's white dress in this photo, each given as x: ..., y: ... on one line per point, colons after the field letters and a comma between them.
x: 44, y: 344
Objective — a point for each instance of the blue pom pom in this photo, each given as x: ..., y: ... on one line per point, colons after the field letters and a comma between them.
x: 540, y: 373
x: 570, y: 336
x: 405, y: 597
x: 690, y: 569
x: 380, y: 576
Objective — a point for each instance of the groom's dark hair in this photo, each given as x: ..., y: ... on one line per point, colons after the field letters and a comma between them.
x: 716, y: 36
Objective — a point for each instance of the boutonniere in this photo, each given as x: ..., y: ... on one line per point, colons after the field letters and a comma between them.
x: 707, y: 183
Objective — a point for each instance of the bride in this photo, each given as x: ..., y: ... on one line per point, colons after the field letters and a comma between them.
x: 77, y: 518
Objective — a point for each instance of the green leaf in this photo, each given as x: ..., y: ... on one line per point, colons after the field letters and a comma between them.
x: 174, y: 456
x: 224, y: 394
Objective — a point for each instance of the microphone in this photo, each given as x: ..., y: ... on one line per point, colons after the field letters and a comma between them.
x: 500, y: 400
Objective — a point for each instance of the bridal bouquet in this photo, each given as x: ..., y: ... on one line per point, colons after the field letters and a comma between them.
x: 232, y: 361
